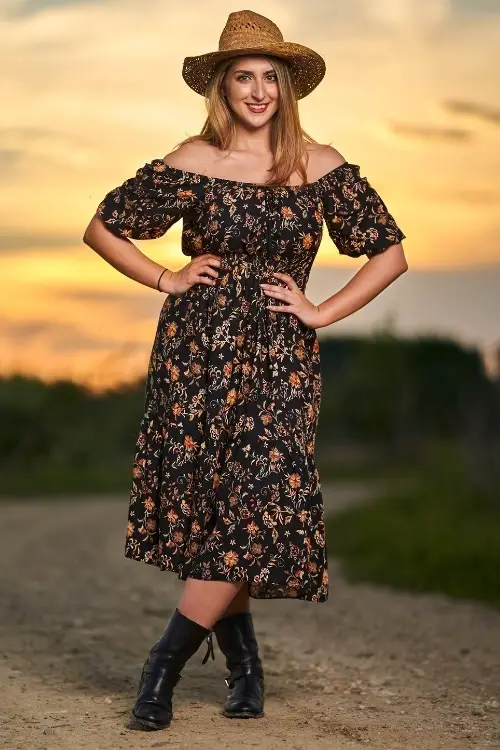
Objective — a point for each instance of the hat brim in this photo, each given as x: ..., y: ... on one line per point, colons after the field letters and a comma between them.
x: 307, y: 68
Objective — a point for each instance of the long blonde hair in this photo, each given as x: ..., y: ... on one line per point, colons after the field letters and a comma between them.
x: 288, y: 139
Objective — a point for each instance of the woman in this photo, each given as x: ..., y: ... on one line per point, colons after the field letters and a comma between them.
x: 225, y: 490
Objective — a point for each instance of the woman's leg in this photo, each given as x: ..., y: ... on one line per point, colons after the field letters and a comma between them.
x: 207, y: 601
x: 240, y: 603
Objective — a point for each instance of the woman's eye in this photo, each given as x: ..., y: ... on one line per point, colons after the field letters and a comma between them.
x: 242, y: 77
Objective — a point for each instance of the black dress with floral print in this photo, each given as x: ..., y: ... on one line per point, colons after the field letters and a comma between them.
x: 225, y: 485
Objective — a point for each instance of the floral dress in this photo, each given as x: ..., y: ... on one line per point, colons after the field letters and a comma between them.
x: 225, y: 485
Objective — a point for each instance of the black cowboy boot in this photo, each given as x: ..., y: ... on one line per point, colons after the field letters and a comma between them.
x: 161, y: 670
x: 236, y: 638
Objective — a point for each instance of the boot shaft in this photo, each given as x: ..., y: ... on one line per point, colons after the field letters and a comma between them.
x: 236, y: 638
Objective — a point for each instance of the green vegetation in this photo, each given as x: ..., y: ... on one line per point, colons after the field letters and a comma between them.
x: 442, y: 534
x: 62, y: 438
x: 384, y: 401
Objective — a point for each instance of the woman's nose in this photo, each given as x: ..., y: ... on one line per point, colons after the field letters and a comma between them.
x: 258, y: 91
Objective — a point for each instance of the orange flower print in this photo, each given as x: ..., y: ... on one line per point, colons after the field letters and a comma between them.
x: 130, y: 529
x: 294, y: 379
x: 232, y: 397
x: 176, y: 410
x: 149, y: 504
x: 294, y: 481
x: 193, y: 347
x: 189, y: 443
x: 266, y: 419
x: 252, y: 528
x: 172, y: 516
x: 274, y: 455
x: 230, y: 559
x: 307, y: 241
x: 300, y: 352
x: 174, y: 372
x: 137, y: 472
x: 286, y: 212
x: 197, y: 242
x: 171, y: 329
x: 185, y: 194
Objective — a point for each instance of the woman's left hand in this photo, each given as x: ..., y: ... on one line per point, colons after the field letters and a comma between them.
x: 297, y: 302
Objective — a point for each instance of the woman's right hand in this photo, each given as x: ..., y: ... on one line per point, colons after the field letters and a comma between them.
x: 178, y: 282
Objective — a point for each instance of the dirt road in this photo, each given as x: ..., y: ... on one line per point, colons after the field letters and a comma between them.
x: 369, y: 668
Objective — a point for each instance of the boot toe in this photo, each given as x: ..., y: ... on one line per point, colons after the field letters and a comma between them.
x: 243, y: 710
x: 246, y: 700
x: 152, y: 716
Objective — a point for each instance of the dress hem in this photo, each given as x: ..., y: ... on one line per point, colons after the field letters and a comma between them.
x: 183, y: 576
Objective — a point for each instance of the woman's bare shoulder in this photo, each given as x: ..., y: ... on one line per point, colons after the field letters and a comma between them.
x: 193, y: 156
x: 322, y: 159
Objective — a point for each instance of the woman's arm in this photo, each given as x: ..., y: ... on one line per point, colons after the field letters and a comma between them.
x: 372, y: 278
x: 123, y: 255
x: 144, y: 207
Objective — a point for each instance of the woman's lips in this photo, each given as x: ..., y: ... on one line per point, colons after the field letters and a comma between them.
x: 257, y: 108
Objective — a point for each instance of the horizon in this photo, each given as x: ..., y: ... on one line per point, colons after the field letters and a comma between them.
x: 93, y: 90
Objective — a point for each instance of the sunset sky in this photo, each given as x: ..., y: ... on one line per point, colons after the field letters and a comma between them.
x: 91, y: 90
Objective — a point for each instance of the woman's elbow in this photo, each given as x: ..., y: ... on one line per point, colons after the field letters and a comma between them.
x: 89, y: 234
x: 395, y: 255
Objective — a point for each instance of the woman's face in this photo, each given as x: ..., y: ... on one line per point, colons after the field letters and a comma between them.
x: 251, y: 89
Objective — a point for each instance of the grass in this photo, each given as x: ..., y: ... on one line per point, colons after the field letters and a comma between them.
x: 442, y: 534
x: 54, y: 481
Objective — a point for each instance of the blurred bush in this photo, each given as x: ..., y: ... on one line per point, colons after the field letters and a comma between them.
x: 439, y: 534
x: 384, y: 399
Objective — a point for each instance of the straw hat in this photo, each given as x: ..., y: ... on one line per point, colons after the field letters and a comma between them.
x: 247, y: 33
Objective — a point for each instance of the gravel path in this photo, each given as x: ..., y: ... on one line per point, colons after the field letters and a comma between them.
x: 369, y: 668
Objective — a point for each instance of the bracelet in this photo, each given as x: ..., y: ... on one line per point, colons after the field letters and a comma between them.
x: 158, y: 282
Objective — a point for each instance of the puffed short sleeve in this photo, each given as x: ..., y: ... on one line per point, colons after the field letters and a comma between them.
x: 357, y: 218
x: 149, y: 203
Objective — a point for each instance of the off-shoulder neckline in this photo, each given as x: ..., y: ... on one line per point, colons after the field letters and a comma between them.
x: 257, y: 185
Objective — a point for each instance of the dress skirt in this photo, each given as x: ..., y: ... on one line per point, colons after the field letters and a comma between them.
x: 225, y: 485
